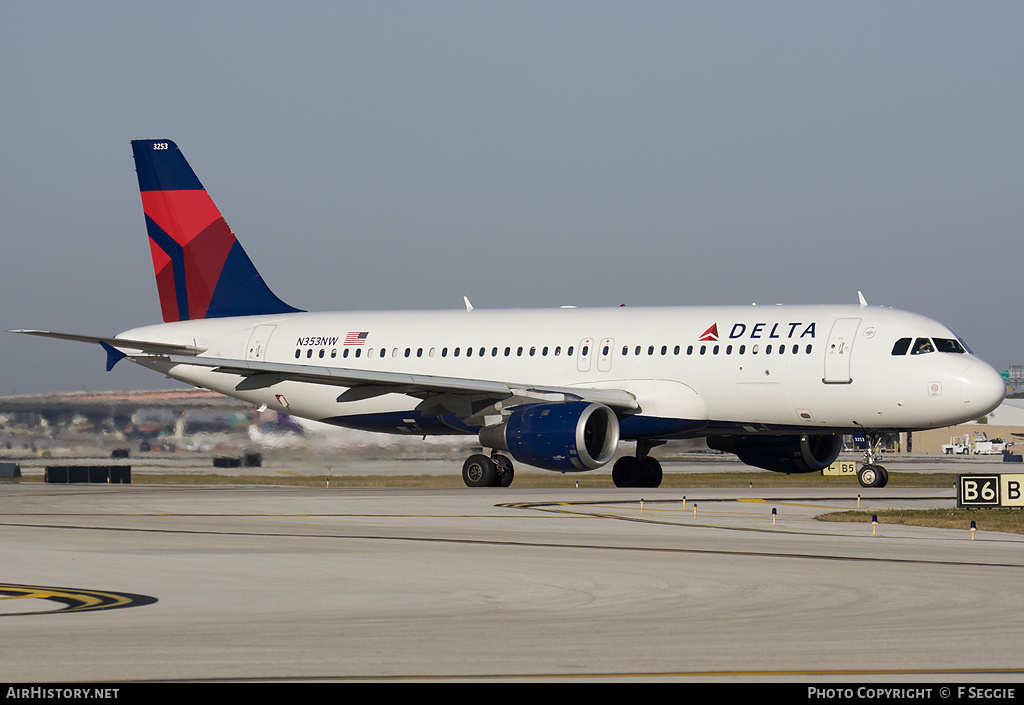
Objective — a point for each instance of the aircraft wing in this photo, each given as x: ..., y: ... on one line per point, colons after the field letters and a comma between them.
x: 448, y: 394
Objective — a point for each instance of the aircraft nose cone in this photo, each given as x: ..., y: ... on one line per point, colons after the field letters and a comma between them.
x: 983, y: 388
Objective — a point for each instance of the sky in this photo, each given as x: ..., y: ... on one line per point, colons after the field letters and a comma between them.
x: 404, y: 154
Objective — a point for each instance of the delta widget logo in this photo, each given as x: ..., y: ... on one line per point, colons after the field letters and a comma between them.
x: 754, y: 331
x: 711, y: 334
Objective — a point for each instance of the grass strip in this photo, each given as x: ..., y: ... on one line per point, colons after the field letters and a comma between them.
x: 996, y: 519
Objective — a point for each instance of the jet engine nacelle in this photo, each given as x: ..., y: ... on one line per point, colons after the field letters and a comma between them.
x: 564, y: 436
x: 789, y: 454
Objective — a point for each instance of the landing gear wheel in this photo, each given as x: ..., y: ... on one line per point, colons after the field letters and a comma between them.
x: 625, y: 471
x: 505, y: 470
x: 884, y: 476
x: 867, y: 476
x: 636, y: 472
x: 873, y: 476
x: 479, y: 471
x: 652, y: 473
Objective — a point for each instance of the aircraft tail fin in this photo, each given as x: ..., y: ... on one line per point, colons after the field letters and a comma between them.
x: 201, y: 269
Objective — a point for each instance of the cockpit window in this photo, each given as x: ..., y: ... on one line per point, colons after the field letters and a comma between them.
x: 949, y: 345
x: 964, y: 345
x: 922, y: 346
x: 901, y: 346
x: 925, y: 345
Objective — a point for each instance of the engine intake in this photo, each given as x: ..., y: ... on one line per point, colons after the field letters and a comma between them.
x: 789, y: 454
x: 564, y: 436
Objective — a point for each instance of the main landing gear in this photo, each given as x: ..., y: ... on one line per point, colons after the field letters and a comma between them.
x: 482, y: 471
x: 871, y: 474
x: 640, y: 470
x: 496, y: 470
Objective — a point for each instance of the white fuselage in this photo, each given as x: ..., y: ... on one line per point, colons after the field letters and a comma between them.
x: 693, y: 370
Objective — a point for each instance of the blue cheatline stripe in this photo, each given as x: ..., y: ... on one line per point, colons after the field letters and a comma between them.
x: 414, y: 422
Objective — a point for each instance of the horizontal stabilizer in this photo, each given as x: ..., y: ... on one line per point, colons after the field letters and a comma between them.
x: 121, y: 344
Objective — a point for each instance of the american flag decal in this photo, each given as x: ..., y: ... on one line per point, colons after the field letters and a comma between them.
x: 356, y: 337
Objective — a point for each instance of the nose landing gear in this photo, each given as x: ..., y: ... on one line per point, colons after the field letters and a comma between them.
x: 871, y: 474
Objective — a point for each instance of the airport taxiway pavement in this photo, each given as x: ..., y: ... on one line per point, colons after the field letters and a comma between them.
x: 150, y: 582
x: 339, y: 464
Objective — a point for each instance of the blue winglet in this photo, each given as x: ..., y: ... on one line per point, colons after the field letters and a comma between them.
x: 114, y: 355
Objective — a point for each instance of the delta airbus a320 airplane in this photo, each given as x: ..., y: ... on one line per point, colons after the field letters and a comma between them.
x: 556, y: 389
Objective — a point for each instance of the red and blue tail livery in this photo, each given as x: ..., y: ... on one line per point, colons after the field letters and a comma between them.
x: 201, y: 269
